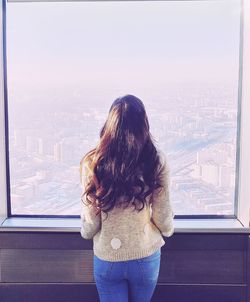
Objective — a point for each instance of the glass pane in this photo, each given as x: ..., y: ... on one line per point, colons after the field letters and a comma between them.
x: 66, y: 64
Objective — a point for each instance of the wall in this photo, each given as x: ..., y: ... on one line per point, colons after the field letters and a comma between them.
x: 53, y: 267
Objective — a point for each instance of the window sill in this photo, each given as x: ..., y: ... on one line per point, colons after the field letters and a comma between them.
x: 73, y: 225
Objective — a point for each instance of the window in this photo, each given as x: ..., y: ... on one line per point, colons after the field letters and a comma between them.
x: 67, y: 62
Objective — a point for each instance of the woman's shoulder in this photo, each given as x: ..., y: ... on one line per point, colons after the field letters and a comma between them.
x: 87, y: 159
x: 86, y: 164
x: 161, y: 154
x: 163, y: 159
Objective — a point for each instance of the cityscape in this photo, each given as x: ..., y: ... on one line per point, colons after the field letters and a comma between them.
x: 196, y: 128
x: 63, y: 77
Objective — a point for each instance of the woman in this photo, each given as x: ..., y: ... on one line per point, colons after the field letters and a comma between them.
x: 126, y: 207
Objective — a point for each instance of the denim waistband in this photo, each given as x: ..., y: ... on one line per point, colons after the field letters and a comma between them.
x: 156, y: 253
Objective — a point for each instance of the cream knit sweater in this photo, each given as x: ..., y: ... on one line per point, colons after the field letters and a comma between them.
x: 128, y: 234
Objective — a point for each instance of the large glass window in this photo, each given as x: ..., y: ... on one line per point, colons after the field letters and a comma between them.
x: 68, y: 61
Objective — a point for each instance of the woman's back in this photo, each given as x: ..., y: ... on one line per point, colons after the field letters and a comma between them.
x: 126, y: 207
x: 126, y: 234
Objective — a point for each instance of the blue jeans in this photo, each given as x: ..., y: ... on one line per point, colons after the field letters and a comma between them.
x: 135, y: 279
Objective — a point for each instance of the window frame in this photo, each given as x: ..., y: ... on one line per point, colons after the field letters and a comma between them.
x: 241, y: 200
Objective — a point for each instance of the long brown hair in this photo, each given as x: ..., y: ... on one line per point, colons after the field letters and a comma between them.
x: 125, y: 163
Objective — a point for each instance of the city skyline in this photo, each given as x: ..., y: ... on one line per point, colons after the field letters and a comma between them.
x: 187, y: 81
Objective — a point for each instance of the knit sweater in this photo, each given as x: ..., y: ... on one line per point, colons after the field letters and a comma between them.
x: 128, y: 234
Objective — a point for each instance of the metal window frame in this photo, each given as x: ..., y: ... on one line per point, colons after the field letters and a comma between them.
x: 242, y: 192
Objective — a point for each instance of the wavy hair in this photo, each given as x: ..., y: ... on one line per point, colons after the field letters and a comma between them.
x: 125, y: 163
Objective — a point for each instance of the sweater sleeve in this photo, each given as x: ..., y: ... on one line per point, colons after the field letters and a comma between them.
x: 90, y: 222
x: 162, y: 212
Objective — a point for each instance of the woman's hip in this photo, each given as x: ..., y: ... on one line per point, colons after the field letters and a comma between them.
x: 146, y: 268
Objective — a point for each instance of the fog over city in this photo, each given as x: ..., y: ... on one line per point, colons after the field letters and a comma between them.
x: 67, y: 63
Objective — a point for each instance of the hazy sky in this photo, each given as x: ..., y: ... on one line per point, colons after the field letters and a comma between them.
x: 134, y: 43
